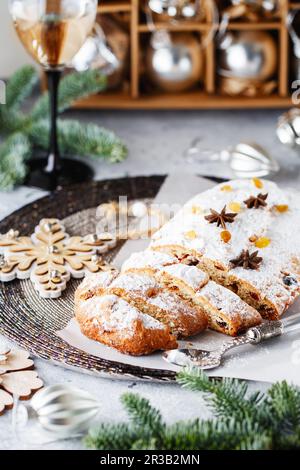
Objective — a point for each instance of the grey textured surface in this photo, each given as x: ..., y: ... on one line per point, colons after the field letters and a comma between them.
x: 156, y: 142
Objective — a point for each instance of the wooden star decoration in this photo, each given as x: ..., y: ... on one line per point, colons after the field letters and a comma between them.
x: 50, y: 257
x: 15, y: 378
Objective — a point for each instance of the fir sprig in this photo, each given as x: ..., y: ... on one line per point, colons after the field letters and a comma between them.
x: 26, y: 132
x: 241, y: 420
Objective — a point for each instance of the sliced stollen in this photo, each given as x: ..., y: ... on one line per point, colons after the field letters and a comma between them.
x: 245, y: 236
x: 94, y: 284
x: 115, y: 323
x: 145, y: 293
x: 226, y: 312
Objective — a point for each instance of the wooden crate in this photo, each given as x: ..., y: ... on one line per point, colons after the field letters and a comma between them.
x: 208, y: 97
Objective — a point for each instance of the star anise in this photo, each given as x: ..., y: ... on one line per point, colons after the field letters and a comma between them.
x: 256, y: 202
x: 220, y: 218
x: 247, y: 260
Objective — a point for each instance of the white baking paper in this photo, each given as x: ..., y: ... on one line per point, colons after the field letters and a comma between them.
x: 273, y: 360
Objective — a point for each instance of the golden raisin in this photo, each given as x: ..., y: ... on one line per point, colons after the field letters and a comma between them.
x: 191, y: 234
x: 253, y: 238
x: 282, y: 208
x: 258, y: 183
x: 262, y: 242
x: 234, y: 206
x: 226, y: 187
x: 225, y: 236
x: 196, y: 210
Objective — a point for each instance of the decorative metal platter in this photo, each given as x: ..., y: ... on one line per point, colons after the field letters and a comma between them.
x: 32, y: 322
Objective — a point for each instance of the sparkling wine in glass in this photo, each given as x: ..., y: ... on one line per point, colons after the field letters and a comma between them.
x: 53, y: 31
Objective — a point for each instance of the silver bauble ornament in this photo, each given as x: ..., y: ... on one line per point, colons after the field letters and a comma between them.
x: 106, y: 49
x: 176, y: 66
x: 164, y: 10
x: 267, y: 5
x: 288, y: 128
x: 250, y: 55
x: 293, y: 25
x: 64, y: 410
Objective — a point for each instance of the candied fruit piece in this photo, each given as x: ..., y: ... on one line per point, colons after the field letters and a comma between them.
x: 253, y: 238
x: 191, y: 234
x: 262, y: 242
x: 225, y: 236
x: 282, y: 208
x: 196, y: 210
x: 226, y: 187
x: 257, y: 183
x: 234, y: 206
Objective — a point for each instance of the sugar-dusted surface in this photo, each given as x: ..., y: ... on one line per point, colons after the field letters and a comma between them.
x: 102, y: 279
x: 281, y: 256
x: 190, y: 275
x: 148, y: 258
x: 229, y: 303
x: 112, y: 313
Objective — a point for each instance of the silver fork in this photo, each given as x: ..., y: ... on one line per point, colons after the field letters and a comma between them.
x: 210, y: 359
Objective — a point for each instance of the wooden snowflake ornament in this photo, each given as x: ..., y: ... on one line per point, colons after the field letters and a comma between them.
x: 15, y: 378
x: 50, y: 257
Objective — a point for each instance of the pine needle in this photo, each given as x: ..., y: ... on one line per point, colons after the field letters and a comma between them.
x: 72, y: 87
x: 31, y: 130
x: 269, y: 421
x: 13, y: 155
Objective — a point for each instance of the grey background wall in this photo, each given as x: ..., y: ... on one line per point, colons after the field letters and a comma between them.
x: 12, y: 54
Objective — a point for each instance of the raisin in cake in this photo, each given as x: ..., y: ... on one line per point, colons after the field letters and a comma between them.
x: 245, y: 236
x: 225, y: 311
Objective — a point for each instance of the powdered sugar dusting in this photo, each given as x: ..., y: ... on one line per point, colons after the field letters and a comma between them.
x: 113, y: 313
x: 281, y: 257
x: 102, y: 279
x: 190, y: 275
x: 148, y: 258
x: 226, y: 301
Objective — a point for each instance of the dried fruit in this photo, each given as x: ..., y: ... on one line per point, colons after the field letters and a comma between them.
x: 262, y: 242
x: 226, y: 187
x: 225, y: 236
x: 290, y: 281
x: 257, y: 183
x: 282, y: 208
x: 196, y: 210
x: 234, y: 206
x: 253, y: 238
x: 191, y: 234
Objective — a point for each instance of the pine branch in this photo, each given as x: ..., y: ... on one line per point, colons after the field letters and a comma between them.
x: 145, y: 419
x: 225, y: 396
x: 112, y: 437
x: 284, y: 407
x: 20, y: 86
x: 13, y: 155
x: 74, y: 138
x: 81, y: 140
x: 270, y: 421
x: 73, y: 87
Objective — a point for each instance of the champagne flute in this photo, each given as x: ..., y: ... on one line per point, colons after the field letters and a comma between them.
x: 53, y: 31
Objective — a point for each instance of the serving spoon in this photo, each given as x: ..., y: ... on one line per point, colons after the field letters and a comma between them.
x: 205, y: 359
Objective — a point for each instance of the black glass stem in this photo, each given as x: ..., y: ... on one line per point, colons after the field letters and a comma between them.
x: 53, y: 164
x: 54, y: 171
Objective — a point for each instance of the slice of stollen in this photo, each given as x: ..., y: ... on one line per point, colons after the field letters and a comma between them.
x: 114, y: 322
x: 226, y: 312
x: 144, y: 292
